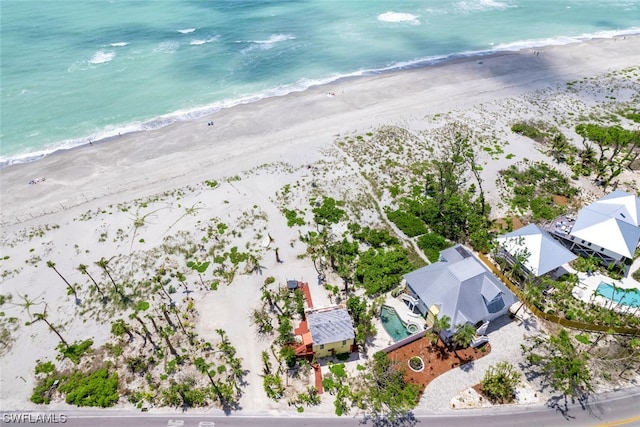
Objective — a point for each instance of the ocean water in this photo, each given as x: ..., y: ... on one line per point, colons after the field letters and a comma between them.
x: 84, y: 70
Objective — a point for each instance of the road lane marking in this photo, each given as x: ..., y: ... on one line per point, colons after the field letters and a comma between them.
x: 618, y: 423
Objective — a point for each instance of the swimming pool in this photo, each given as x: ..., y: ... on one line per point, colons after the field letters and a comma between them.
x: 630, y: 297
x: 392, y: 323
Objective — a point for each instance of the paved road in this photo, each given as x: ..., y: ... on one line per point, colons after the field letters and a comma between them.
x: 619, y: 409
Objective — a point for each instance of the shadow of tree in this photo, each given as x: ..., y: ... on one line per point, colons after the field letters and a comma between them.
x: 406, y: 420
x: 561, y: 405
x: 468, y: 367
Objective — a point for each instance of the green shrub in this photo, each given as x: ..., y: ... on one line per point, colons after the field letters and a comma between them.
x: 381, y: 270
x: 289, y: 355
x: 75, y: 351
x: 45, y: 368
x: 142, y: 306
x: 410, y: 224
x: 373, y: 237
x: 40, y: 393
x: 527, y: 129
x: 98, y: 388
x: 431, y: 244
x: 293, y: 218
x: 500, y: 381
x: 545, y: 208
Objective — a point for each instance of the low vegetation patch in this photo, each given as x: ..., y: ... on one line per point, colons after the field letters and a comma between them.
x: 500, y: 382
x: 533, y: 188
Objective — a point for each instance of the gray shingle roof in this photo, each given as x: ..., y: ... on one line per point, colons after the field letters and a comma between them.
x: 329, y: 326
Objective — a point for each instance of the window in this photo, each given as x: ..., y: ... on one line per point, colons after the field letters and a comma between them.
x: 344, y: 342
x: 583, y: 241
x: 496, y: 304
x: 321, y: 346
x: 601, y: 249
x: 589, y: 244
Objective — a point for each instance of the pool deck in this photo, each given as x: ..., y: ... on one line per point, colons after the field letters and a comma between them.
x: 403, y: 311
x: 587, y: 285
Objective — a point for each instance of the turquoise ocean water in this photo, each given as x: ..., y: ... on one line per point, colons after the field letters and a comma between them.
x: 74, y: 71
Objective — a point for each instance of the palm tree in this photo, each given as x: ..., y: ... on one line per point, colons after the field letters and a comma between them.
x: 203, y: 367
x: 163, y: 334
x: 104, y: 264
x: 84, y: 270
x: 43, y: 316
x: 119, y: 327
x: 463, y: 337
x: 267, y: 296
x: 634, y: 350
x: 440, y: 324
x: 530, y: 294
x: 253, y: 261
x: 165, y: 314
x: 27, y: 304
x: 147, y: 334
x: 52, y: 265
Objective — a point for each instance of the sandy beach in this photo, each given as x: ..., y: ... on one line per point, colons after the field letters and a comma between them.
x: 293, y: 126
x: 127, y: 196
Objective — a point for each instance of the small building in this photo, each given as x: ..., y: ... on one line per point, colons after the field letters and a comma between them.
x: 535, y: 249
x: 460, y: 287
x: 331, y: 331
x: 292, y: 285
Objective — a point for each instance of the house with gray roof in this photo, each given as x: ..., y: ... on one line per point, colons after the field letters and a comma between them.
x: 460, y: 287
x: 330, y: 331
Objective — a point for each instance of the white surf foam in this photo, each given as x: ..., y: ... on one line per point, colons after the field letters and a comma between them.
x: 558, y: 41
x: 187, y: 30
x: 167, y: 47
x: 481, y: 5
x: 198, y: 42
x: 101, y: 56
x: 275, y: 38
x: 119, y: 44
x: 399, y: 17
x: 267, y: 43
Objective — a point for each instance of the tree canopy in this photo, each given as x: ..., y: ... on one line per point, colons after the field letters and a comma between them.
x: 562, y: 366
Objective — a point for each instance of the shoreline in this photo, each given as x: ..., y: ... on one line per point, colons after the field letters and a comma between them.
x: 266, y: 129
x: 210, y: 110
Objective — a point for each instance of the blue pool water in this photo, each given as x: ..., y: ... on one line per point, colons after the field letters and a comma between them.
x: 392, y: 323
x: 630, y: 297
